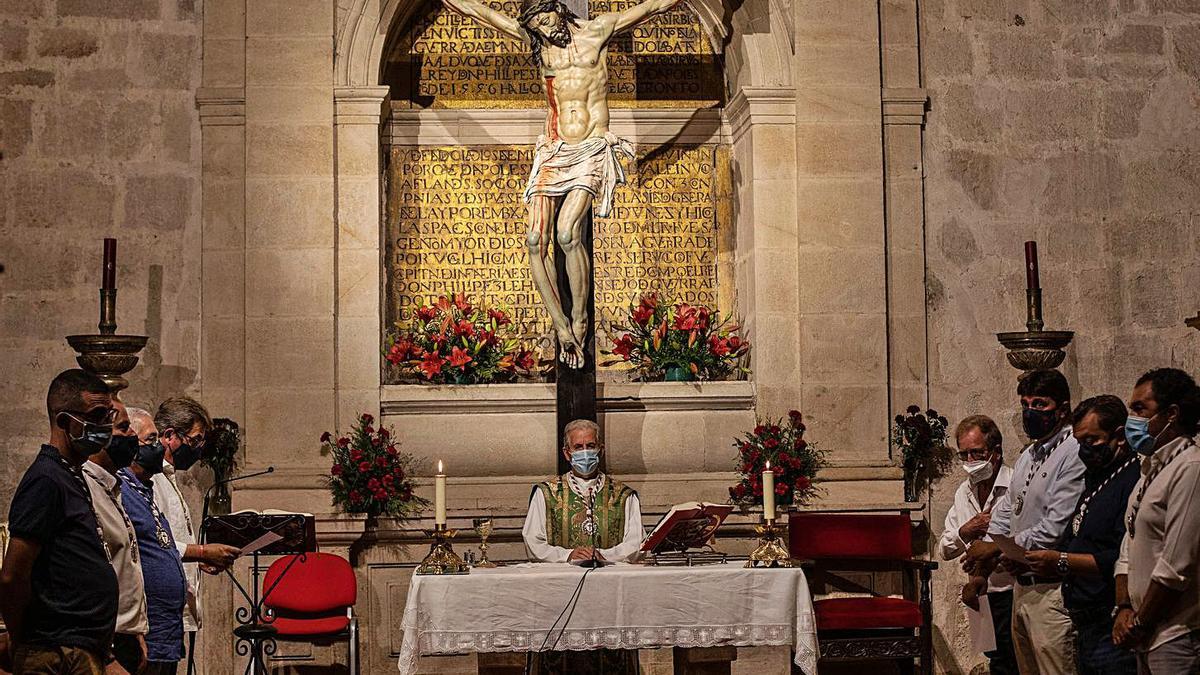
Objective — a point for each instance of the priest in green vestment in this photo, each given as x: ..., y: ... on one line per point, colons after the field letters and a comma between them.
x: 575, y: 516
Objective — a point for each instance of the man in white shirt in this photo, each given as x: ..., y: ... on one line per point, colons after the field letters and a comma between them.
x: 580, y: 516
x: 1047, y: 483
x: 981, y: 451
x: 1158, y: 572
x: 120, y: 540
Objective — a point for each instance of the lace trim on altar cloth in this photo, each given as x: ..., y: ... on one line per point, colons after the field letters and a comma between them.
x: 434, y: 642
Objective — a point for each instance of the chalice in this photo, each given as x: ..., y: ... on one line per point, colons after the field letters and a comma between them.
x: 483, y: 527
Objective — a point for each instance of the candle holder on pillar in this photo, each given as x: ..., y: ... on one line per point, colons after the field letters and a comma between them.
x: 1034, y: 348
x: 441, y: 558
x: 107, y: 354
x: 770, y: 552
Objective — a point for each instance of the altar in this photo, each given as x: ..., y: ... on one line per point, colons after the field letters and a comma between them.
x: 512, y: 609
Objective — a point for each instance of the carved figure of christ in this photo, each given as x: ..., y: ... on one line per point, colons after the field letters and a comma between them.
x: 576, y: 163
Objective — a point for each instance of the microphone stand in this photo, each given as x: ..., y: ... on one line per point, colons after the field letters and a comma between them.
x: 208, y: 492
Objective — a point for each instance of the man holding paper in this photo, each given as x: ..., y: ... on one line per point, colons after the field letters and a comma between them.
x: 1046, y: 485
x: 981, y: 451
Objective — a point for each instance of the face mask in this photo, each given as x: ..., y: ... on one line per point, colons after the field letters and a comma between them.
x: 1095, y: 456
x: 185, y: 456
x: 585, y: 461
x: 1137, y: 432
x: 122, y: 450
x: 978, y: 471
x: 150, y: 457
x: 1038, y: 423
x: 95, y: 437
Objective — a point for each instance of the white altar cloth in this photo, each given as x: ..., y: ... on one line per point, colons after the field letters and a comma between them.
x: 510, y: 609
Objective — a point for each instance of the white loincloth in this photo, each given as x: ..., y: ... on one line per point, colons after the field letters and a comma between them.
x: 593, y: 165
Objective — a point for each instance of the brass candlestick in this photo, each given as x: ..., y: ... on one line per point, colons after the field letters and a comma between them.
x: 108, y: 355
x: 483, y: 527
x: 442, y: 559
x: 770, y: 553
x: 1034, y: 348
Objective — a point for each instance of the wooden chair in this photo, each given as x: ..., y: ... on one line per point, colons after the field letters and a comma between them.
x: 870, y: 625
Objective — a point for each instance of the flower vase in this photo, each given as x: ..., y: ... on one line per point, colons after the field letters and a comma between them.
x: 221, y: 502
x: 912, y: 486
x: 679, y: 374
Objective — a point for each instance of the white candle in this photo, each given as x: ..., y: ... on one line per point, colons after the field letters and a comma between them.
x: 768, y: 493
x: 439, y: 496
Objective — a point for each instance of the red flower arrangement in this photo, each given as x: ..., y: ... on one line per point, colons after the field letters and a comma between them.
x: 456, y: 342
x: 679, y: 342
x: 794, y: 461
x: 369, y: 474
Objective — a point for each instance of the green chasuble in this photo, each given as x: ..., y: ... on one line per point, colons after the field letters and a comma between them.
x: 566, y: 514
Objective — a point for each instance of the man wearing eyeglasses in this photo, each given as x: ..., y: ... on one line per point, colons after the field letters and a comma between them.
x: 182, y: 425
x: 981, y: 451
x: 58, y: 592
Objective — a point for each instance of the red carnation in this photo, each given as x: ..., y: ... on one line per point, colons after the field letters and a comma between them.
x: 356, y: 455
x: 364, y: 467
x: 366, y: 418
x: 803, y: 483
x: 343, y: 442
x: 760, y: 430
x: 373, y: 484
x: 381, y: 461
x: 391, y: 450
x: 336, y: 469
x: 781, y: 488
x: 325, y: 437
x: 355, y: 497
x: 771, y: 443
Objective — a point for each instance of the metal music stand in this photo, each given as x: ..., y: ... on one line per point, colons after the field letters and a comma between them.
x: 254, y: 635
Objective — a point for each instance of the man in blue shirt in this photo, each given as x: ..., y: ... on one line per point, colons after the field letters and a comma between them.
x: 162, y: 570
x: 58, y: 593
x: 1046, y: 485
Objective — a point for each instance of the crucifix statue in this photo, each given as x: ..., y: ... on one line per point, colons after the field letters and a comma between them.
x: 576, y: 164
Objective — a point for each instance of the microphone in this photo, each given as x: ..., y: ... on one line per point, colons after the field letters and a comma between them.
x: 234, y: 479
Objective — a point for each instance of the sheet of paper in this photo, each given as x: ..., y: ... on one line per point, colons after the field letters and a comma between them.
x: 1011, y: 549
x: 262, y: 542
x: 983, y: 631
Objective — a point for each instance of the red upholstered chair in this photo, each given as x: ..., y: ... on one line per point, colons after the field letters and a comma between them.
x: 313, y: 601
x: 868, y: 626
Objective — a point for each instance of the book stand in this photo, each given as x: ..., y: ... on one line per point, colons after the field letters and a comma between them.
x: 255, y: 636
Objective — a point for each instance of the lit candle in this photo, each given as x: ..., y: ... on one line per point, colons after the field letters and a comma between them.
x: 439, y: 496
x: 768, y: 493
x: 1031, y: 266
x: 109, y: 276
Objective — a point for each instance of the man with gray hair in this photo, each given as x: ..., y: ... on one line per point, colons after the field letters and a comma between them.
x: 584, y: 512
x: 580, y: 516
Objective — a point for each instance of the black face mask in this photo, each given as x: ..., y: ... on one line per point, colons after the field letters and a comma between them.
x: 1096, y: 456
x: 1039, y: 423
x: 122, y: 450
x: 150, y: 457
x: 185, y: 457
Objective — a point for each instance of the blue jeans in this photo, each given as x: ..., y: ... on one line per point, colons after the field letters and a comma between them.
x: 1179, y: 656
x: 1095, y: 652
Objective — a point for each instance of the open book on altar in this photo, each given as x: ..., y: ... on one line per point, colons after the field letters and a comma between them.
x: 687, y: 526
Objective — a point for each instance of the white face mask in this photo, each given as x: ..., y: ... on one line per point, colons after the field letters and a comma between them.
x: 979, y: 471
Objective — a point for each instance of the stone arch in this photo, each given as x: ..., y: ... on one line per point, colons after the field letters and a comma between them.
x: 362, y: 41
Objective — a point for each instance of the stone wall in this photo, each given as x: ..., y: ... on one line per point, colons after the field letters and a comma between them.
x: 1074, y: 123
x: 98, y: 138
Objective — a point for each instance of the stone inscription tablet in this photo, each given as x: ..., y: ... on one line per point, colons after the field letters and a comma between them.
x: 456, y: 221
x: 445, y: 60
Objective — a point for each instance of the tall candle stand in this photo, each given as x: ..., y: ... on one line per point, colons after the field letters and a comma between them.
x: 1034, y: 348
x: 107, y: 354
x: 441, y: 558
x: 770, y: 552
